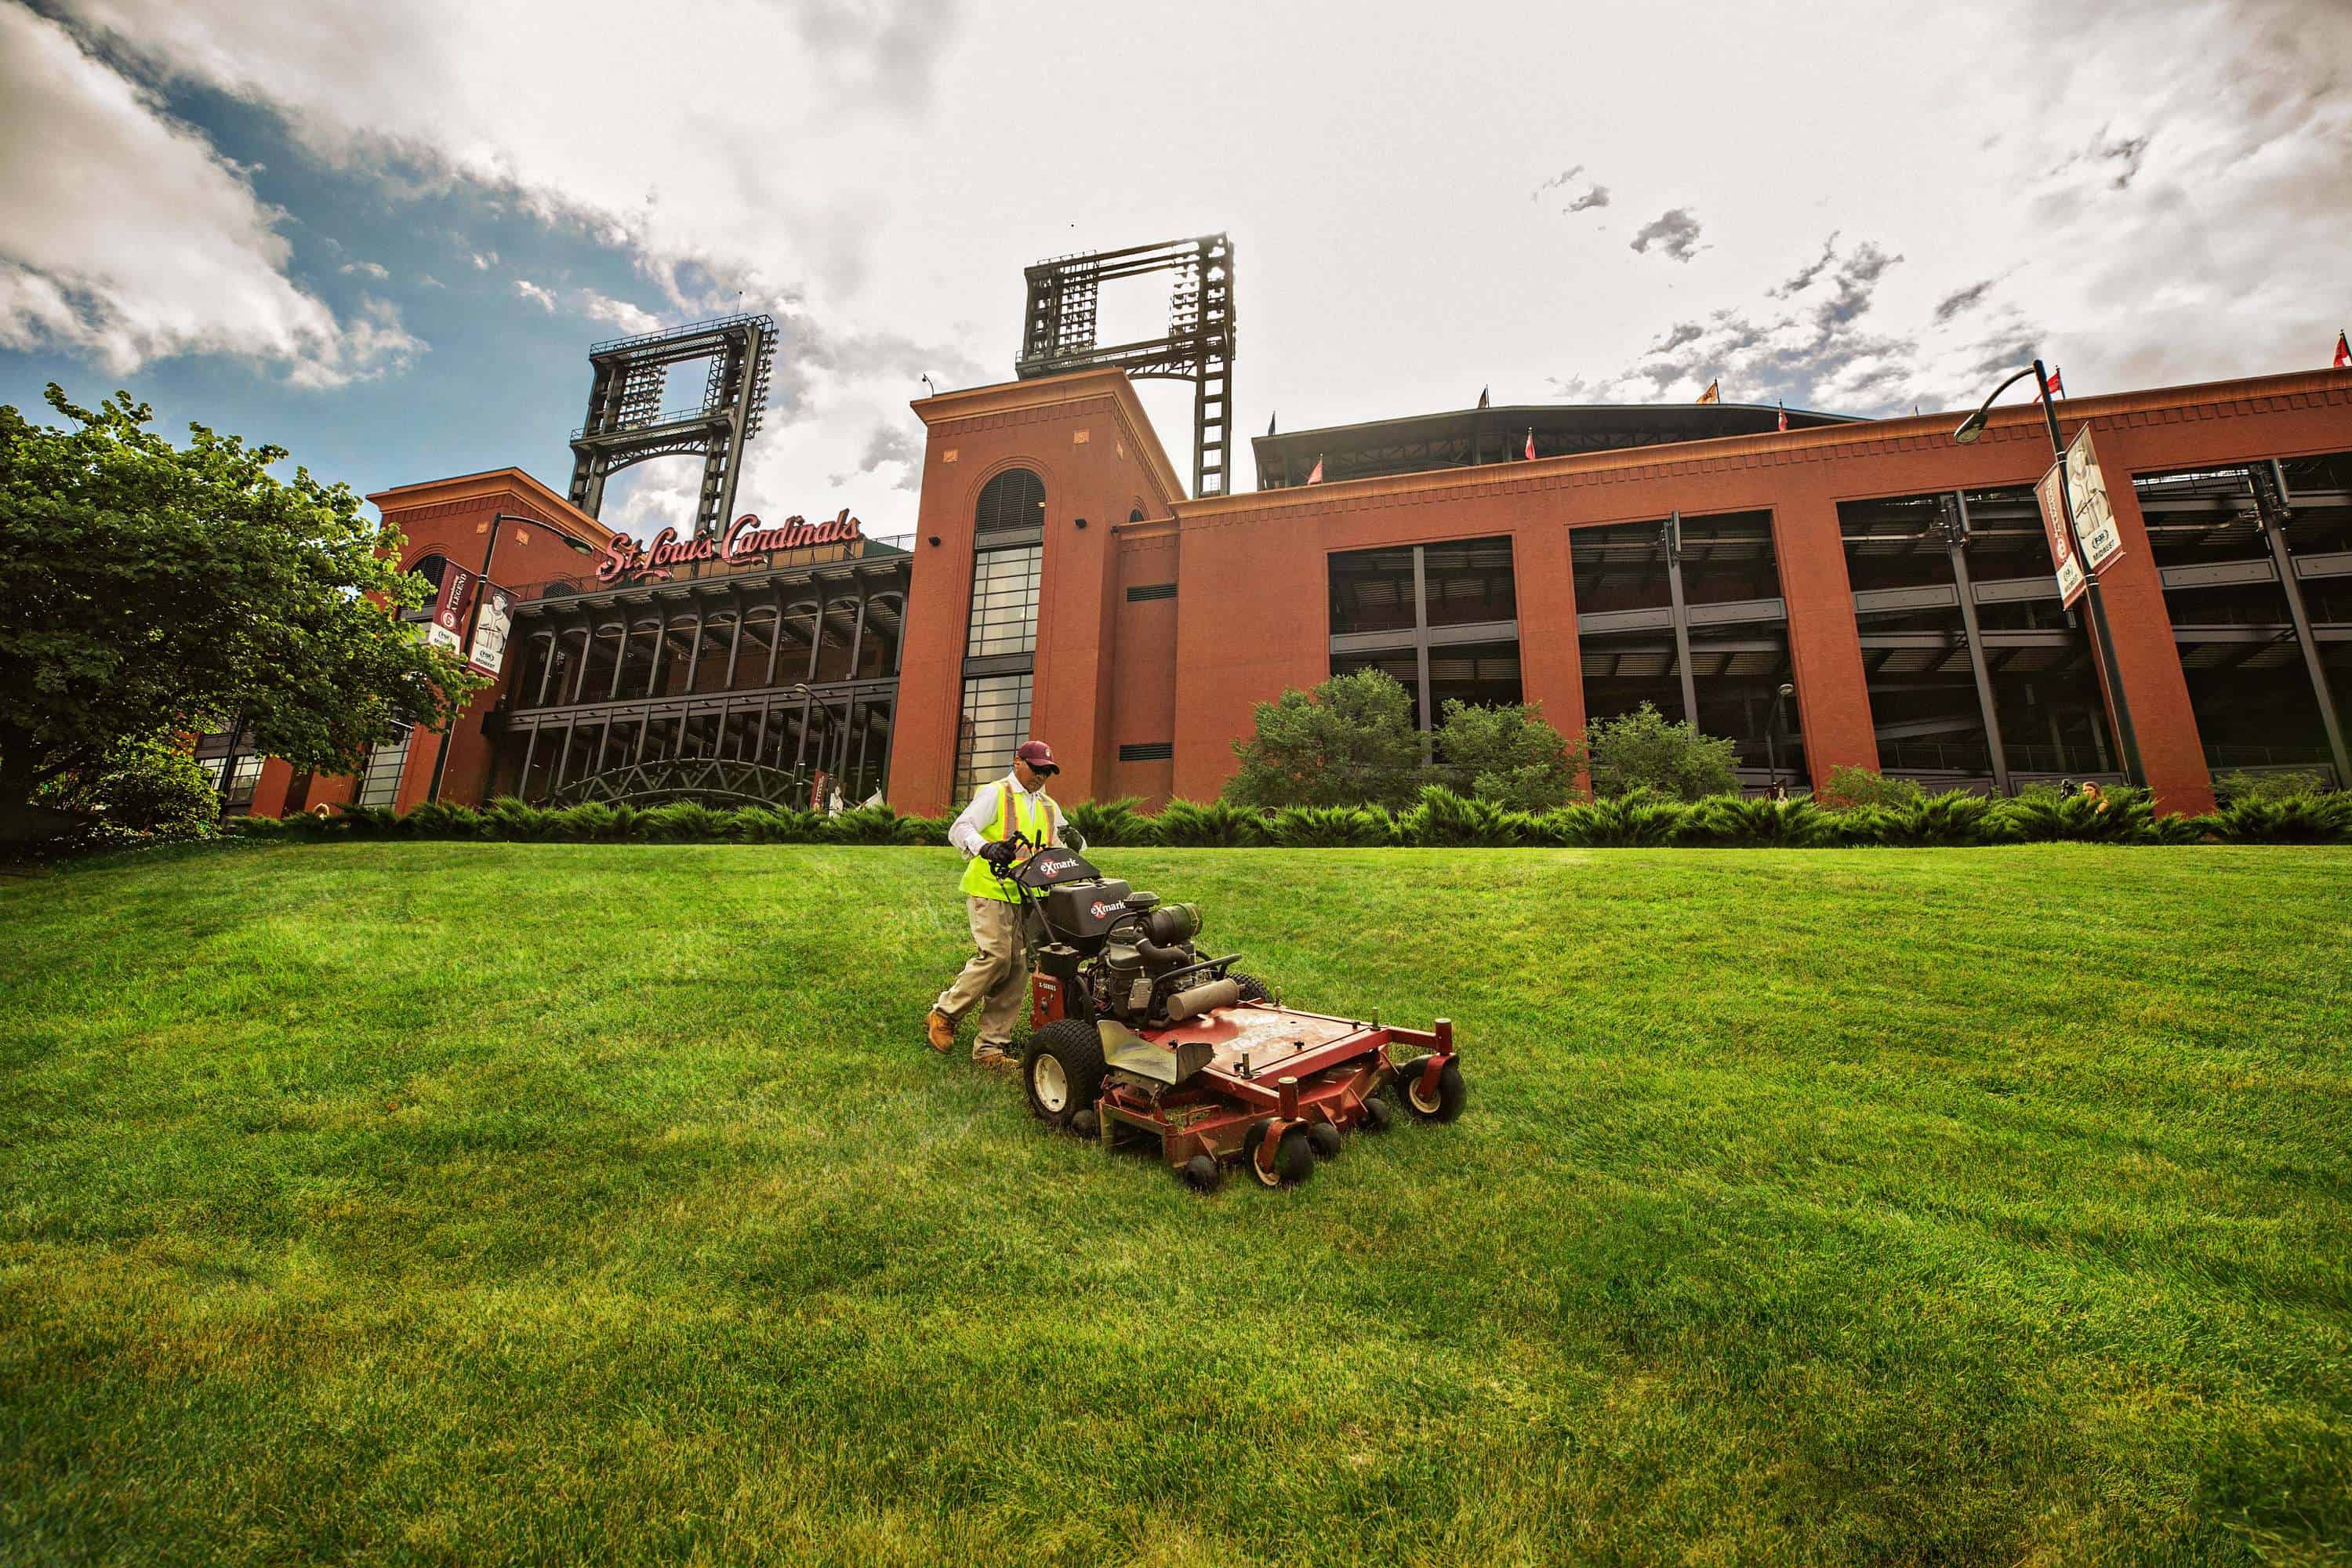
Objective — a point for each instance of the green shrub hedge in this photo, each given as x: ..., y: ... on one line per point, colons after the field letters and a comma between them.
x: 1437, y: 817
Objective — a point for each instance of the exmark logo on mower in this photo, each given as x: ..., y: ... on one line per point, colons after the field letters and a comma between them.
x: 1098, y: 909
x: 1054, y: 868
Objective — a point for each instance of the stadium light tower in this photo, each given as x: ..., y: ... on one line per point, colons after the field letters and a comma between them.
x: 2103, y: 644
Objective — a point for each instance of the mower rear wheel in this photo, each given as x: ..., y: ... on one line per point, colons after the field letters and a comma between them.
x: 1062, y: 1070
x: 1252, y: 988
x: 1452, y: 1093
x: 1294, y: 1157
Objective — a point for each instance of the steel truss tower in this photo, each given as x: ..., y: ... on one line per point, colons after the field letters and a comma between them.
x: 630, y: 420
x: 1058, y: 334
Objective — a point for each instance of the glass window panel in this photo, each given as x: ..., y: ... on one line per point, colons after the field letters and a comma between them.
x: 1004, y: 601
x: 233, y: 778
x: 379, y: 778
x: 995, y: 721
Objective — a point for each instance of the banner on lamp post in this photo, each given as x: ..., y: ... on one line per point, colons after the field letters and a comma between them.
x: 446, y: 630
x: 2061, y: 546
x: 2094, y: 515
x: 488, y: 652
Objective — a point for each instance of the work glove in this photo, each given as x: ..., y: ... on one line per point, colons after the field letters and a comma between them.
x: 999, y: 854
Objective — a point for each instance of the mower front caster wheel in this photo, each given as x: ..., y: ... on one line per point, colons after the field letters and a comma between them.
x: 1294, y: 1157
x: 1452, y: 1094
x: 1062, y: 1070
x: 1324, y: 1139
x: 1201, y: 1174
x: 1379, y: 1116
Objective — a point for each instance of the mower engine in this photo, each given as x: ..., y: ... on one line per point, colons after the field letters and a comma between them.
x: 1138, y: 1032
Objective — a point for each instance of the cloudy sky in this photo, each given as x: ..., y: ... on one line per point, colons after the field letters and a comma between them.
x: 384, y: 234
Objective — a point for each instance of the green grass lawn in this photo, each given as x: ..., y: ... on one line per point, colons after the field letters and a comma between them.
x: 459, y: 1203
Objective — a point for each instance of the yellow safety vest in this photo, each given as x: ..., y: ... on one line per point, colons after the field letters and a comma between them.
x: 1015, y: 810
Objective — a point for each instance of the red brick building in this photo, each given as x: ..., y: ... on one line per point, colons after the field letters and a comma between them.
x: 1814, y: 558
x: 1059, y: 583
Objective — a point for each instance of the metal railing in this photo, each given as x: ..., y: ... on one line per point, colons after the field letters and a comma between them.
x: 2302, y: 758
x: 692, y: 414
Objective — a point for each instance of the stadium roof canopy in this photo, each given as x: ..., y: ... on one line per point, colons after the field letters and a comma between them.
x: 1472, y: 436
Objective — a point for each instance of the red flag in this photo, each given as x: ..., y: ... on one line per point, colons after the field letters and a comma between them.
x: 1784, y: 416
x: 2343, y: 352
x: 1531, y: 444
x: 1316, y: 476
x: 2057, y: 385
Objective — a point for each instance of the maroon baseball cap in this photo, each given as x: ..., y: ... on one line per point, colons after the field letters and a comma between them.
x: 1038, y: 755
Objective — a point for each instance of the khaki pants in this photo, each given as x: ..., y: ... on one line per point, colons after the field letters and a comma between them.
x: 996, y: 978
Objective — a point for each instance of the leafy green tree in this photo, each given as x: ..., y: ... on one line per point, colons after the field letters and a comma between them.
x: 148, y: 786
x: 1509, y: 754
x: 1643, y: 750
x: 1350, y: 741
x: 147, y: 589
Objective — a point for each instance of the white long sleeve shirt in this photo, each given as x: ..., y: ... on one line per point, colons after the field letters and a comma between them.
x: 964, y: 833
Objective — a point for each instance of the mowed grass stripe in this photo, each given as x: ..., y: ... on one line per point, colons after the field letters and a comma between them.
x: 521, y: 1202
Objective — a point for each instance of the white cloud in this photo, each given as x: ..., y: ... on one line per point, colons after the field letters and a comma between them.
x: 482, y: 263
x: 632, y: 320
x: 2147, y: 199
x: 375, y: 345
x: 535, y: 294
x: 125, y: 238
x: 376, y: 271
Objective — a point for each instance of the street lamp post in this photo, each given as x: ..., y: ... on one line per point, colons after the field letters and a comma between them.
x: 1772, y: 735
x: 2103, y: 646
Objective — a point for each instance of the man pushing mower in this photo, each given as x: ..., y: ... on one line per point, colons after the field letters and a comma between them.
x: 995, y: 979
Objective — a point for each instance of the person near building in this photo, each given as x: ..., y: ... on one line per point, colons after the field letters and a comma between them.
x: 993, y: 981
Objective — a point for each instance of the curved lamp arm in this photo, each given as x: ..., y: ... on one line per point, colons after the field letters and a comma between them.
x: 1973, y: 426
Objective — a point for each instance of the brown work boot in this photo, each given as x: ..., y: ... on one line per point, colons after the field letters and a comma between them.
x: 995, y: 1058
x: 940, y: 1030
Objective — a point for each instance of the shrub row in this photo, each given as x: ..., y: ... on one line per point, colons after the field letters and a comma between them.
x: 681, y: 821
x: 1439, y: 818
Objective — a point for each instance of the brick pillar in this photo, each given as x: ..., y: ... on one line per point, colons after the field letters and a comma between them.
x: 930, y: 654
x: 2147, y: 658
x: 1071, y: 691
x: 416, y: 769
x: 1551, y: 669
x: 1824, y: 645
x: 269, y: 789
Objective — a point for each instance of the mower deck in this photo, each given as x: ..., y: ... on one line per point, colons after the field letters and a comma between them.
x: 1269, y: 1070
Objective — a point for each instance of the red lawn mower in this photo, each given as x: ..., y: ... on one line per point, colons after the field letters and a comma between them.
x: 1137, y: 1034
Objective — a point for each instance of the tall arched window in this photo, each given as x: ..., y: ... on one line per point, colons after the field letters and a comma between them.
x: 1014, y: 498
x: 1001, y: 641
